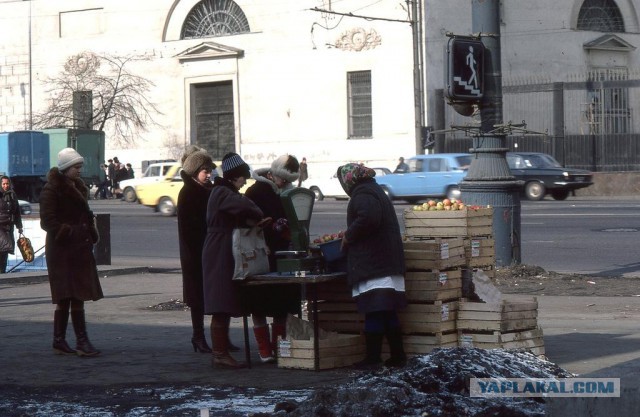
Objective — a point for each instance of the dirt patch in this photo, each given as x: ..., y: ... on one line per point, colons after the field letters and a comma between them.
x: 534, y: 280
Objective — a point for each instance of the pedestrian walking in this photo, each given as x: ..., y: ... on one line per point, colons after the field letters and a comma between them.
x: 9, y: 217
x: 71, y: 233
x: 401, y: 167
x: 280, y: 300
x: 375, y: 263
x: 304, y: 172
x: 226, y: 209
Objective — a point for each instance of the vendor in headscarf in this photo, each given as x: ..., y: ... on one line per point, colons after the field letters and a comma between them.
x: 375, y: 260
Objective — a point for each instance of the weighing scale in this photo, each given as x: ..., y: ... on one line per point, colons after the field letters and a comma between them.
x: 298, y: 206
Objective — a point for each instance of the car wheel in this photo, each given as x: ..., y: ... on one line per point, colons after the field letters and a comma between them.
x: 318, y: 193
x: 534, y: 191
x: 453, y: 192
x: 560, y: 194
x: 166, y: 207
x: 129, y: 195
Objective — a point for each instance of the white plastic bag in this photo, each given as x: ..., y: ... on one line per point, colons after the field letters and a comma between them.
x: 250, y: 252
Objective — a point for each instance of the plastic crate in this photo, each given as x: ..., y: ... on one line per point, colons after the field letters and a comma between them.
x: 331, y: 250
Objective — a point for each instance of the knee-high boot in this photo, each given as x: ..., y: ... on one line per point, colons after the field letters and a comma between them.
x: 220, y: 339
x: 264, y: 343
x: 396, y: 348
x: 278, y: 330
x: 373, y: 358
x: 60, y: 321
x: 198, y: 340
x: 83, y: 345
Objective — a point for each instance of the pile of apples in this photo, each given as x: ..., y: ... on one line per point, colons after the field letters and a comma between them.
x: 446, y: 204
x: 327, y: 237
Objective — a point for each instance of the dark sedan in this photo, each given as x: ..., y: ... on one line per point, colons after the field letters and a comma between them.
x: 543, y: 175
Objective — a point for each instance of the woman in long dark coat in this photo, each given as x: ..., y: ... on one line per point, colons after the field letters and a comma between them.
x: 71, y: 234
x: 9, y: 216
x: 375, y: 262
x: 226, y: 209
x: 192, y: 229
x: 280, y: 300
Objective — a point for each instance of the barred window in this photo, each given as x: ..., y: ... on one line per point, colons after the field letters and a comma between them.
x: 600, y: 16
x: 214, y: 18
x: 608, y: 108
x: 359, y: 104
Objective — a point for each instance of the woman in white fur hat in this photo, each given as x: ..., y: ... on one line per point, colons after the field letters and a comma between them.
x: 69, y: 222
x: 280, y: 300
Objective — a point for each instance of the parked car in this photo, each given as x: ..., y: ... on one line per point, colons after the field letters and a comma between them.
x: 433, y: 175
x: 543, y: 175
x: 25, y: 207
x: 330, y: 186
x: 154, y: 173
x: 162, y: 195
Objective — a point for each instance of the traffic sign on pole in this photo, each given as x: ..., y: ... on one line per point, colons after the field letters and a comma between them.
x: 465, y: 65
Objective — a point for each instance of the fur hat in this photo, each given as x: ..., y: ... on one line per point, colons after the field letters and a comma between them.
x: 68, y: 157
x: 286, y: 167
x: 233, y: 167
x: 195, y: 159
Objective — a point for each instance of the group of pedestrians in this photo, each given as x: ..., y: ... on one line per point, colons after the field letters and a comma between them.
x: 208, y: 212
x: 110, y: 176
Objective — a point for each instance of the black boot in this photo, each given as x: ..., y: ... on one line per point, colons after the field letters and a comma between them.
x: 83, y: 345
x: 60, y: 321
x: 198, y: 340
x: 373, y: 358
x: 396, y: 347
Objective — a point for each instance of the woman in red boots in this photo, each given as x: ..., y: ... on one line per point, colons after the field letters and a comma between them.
x: 71, y: 234
x: 226, y: 209
x: 280, y: 300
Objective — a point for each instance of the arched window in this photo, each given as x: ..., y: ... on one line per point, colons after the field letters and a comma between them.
x: 214, y: 18
x: 600, y: 16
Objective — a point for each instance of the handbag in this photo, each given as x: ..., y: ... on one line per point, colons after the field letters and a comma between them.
x: 26, y: 250
x: 250, y: 252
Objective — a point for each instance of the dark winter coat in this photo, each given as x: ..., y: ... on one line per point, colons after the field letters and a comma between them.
x: 374, y: 247
x: 274, y: 300
x: 68, y: 221
x: 226, y: 209
x: 192, y: 230
x: 9, y: 216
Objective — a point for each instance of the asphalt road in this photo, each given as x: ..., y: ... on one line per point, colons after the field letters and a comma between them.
x: 590, y: 235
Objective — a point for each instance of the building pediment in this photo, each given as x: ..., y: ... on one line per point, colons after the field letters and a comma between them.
x: 609, y: 42
x: 209, y: 51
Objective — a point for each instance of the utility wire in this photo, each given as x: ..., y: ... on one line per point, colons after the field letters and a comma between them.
x: 316, y: 9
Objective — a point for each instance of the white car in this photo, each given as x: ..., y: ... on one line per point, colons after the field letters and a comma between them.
x: 330, y: 187
x: 154, y: 173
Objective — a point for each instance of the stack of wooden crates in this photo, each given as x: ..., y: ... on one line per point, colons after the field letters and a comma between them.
x: 439, y: 247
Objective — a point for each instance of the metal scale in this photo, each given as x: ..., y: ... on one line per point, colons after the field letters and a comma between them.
x: 298, y: 206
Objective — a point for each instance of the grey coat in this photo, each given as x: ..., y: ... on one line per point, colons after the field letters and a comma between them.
x: 68, y: 221
x: 227, y: 208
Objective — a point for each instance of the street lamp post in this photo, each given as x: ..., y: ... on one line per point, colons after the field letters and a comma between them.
x: 30, y: 73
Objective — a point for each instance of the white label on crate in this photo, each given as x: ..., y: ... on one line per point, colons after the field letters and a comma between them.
x: 444, y: 251
x: 442, y: 278
x: 284, y: 348
x: 466, y: 340
x: 445, y: 312
x: 475, y: 248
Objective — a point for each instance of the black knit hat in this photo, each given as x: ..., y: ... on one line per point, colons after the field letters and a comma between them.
x: 233, y: 167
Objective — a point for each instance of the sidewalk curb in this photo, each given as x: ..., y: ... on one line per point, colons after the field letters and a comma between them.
x: 104, y: 271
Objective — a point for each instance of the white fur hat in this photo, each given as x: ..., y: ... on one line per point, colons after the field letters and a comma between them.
x: 286, y: 167
x: 68, y: 157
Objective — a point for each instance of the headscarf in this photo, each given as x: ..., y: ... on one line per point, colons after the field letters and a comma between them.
x: 351, y: 174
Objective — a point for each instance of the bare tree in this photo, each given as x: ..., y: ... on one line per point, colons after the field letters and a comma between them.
x: 119, y: 97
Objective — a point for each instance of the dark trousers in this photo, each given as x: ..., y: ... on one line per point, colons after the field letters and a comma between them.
x: 3, y: 262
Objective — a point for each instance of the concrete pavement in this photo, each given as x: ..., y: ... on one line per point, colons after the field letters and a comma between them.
x: 586, y: 335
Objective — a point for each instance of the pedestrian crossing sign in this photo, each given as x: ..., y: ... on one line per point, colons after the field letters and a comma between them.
x: 465, y: 68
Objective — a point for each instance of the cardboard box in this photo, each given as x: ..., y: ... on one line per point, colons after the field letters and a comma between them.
x: 448, y: 223
x: 334, y: 352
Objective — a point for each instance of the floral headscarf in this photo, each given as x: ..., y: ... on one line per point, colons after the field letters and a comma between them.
x: 351, y: 174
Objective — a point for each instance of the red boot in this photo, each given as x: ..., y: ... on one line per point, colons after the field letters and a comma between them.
x: 264, y: 344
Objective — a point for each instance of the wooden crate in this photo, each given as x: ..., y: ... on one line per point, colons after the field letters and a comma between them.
x: 455, y: 223
x: 340, y: 316
x: 480, y: 251
x: 334, y: 352
x: 531, y: 340
x: 507, y: 316
x: 439, y: 253
x: 421, y: 344
x: 439, y: 317
x: 430, y: 286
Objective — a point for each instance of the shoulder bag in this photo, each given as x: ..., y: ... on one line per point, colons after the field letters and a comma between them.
x: 250, y: 252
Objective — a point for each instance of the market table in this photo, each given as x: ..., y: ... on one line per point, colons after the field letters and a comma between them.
x: 278, y: 278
